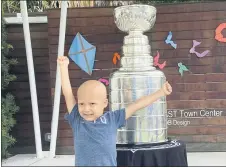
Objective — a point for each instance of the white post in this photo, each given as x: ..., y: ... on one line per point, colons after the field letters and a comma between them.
x: 30, y: 64
x: 55, y: 117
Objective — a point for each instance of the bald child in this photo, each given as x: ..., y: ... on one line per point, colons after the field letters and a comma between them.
x: 94, y: 130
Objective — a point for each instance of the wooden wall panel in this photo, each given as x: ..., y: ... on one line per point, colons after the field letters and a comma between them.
x: 202, y: 88
x: 24, y: 130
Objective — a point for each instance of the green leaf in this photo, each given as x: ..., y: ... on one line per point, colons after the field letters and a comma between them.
x: 8, y: 104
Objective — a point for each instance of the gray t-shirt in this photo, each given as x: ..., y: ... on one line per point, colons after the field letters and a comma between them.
x: 95, y: 141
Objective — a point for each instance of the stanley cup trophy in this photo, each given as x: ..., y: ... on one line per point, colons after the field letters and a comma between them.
x: 138, y: 77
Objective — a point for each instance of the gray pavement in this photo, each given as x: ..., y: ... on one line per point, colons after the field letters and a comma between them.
x: 194, y: 159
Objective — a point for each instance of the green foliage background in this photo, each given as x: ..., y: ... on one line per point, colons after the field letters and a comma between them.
x: 10, y: 6
x: 8, y: 105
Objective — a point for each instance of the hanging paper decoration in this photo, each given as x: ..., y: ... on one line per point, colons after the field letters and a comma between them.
x: 218, y: 33
x: 82, y: 53
x: 115, y: 58
x: 182, y: 68
x: 169, y: 40
x: 156, y: 61
x: 104, y: 81
x: 192, y: 50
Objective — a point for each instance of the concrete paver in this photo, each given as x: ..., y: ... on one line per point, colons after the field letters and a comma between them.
x: 194, y: 159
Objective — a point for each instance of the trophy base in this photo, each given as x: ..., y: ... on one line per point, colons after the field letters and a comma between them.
x: 143, y: 145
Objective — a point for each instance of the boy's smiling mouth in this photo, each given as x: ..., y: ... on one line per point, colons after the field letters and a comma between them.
x: 88, y: 114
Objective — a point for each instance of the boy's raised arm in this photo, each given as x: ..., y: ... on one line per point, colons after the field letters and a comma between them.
x: 148, y: 100
x: 65, y: 82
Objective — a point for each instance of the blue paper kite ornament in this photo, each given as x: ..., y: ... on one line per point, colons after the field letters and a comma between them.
x: 82, y: 53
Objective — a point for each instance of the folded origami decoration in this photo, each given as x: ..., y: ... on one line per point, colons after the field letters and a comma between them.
x: 82, y: 53
x: 200, y: 55
x: 218, y: 33
x: 156, y: 61
x: 115, y: 58
x: 169, y: 40
x: 182, y: 68
x: 104, y: 81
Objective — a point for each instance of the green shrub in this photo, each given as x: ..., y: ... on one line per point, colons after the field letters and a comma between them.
x: 8, y: 105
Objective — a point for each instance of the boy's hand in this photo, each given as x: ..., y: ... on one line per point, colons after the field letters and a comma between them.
x: 166, y: 88
x: 63, y: 61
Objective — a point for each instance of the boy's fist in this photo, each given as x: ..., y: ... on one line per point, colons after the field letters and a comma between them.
x: 166, y: 88
x: 63, y: 61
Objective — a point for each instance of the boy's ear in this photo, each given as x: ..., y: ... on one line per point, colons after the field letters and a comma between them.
x: 106, y: 103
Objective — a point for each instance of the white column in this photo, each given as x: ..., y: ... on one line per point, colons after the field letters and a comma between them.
x: 30, y: 64
x: 55, y: 117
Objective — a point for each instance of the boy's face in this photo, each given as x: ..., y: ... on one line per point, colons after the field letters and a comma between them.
x: 91, y: 102
x: 91, y: 109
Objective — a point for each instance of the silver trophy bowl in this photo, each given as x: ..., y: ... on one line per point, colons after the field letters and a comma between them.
x: 133, y: 17
x: 138, y: 77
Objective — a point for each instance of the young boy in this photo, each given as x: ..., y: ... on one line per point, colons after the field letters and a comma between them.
x: 95, y: 131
